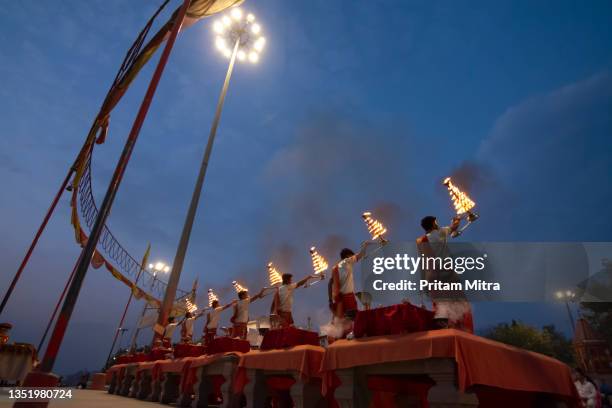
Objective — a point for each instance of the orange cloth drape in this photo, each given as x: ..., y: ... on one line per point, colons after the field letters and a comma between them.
x: 305, y: 359
x: 479, y: 361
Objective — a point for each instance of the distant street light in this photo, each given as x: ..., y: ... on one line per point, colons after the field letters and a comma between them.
x: 158, y: 267
x: 238, y: 36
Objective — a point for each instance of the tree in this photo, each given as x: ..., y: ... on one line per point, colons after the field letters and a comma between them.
x: 547, y: 341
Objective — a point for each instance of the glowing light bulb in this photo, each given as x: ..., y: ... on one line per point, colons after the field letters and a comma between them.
x: 253, y: 57
x: 250, y: 18
x: 226, y: 21
x: 236, y: 13
x: 241, y: 55
x: 255, y: 28
x: 218, y: 27
x: 220, y: 43
x: 259, y: 44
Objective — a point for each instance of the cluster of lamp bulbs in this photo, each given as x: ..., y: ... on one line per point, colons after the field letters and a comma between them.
x: 236, y: 27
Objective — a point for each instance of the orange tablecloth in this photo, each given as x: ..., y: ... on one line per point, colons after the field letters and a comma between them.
x: 175, y: 366
x: 288, y: 337
x: 479, y: 360
x: 112, y: 369
x: 189, y: 377
x: 304, y: 359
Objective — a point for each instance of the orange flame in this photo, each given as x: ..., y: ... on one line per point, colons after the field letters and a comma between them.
x: 319, y: 264
x: 211, y: 297
x: 238, y: 287
x: 274, y: 275
x: 461, y: 201
x: 375, y: 228
x: 190, y: 306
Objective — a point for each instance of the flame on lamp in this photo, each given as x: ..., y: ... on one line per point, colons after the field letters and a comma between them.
x: 319, y: 264
x: 375, y: 228
x: 238, y: 287
x: 274, y: 275
x: 191, y: 307
x: 462, y: 203
x: 211, y: 297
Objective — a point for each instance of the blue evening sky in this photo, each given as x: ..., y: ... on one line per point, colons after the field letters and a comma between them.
x: 353, y: 106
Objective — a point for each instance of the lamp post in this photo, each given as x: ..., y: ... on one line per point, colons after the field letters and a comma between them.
x: 568, y: 296
x: 238, y: 36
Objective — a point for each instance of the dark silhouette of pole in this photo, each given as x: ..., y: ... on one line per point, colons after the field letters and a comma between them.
x: 127, y: 306
x: 41, y: 228
x: 57, y: 305
x: 179, y: 258
x: 84, y: 260
x: 571, y: 317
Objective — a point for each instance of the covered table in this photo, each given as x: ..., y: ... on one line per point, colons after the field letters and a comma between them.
x: 394, y: 319
x: 288, y: 337
x: 462, y: 366
x: 147, y: 384
x: 16, y: 361
x: 171, y: 373
x: 209, y: 379
x: 294, y: 372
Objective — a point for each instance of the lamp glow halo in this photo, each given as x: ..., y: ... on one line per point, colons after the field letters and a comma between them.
x: 239, y: 26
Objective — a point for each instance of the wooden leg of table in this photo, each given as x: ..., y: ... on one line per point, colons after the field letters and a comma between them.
x: 126, y: 384
x: 135, y: 386
x: 155, y: 389
x: 229, y: 398
x: 202, y: 389
x: 113, y: 383
x: 146, y: 387
x: 170, y: 388
x: 305, y: 394
x: 255, y: 390
x: 446, y: 394
x: 345, y: 393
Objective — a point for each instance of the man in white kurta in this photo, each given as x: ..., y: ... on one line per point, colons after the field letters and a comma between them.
x: 282, y: 305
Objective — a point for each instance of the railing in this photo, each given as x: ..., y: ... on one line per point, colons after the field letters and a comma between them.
x: 111, y: 247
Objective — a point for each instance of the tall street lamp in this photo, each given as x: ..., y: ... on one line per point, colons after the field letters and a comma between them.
x: 568, y: 296
x: 238, y: 36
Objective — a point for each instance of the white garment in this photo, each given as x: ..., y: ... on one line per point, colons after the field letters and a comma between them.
x: 587, y: 391
x: 345, y: 273
x: 242, y: 311
x: 285, y: 296
x: 213, y: 317
x: 438, y: 239
x: 170, y: 330
x: 189, y: 326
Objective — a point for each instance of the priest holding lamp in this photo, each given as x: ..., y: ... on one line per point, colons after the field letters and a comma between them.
x: 282, y: 304
x: 240, y: 318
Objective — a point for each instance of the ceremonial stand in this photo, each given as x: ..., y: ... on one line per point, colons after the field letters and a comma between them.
x: 213, y: 376
x: 354, y: 392
x: 281, y: 374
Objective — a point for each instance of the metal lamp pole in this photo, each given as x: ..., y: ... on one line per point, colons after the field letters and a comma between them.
x: 242, y: 36
x: 567, y: 297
